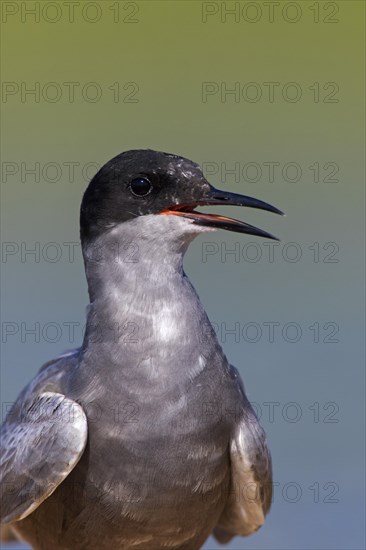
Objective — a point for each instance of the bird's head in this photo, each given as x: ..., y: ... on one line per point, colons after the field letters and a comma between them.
x: 150, y: 183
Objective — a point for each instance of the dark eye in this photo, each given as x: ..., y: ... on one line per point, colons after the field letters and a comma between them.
x: 140, y: 186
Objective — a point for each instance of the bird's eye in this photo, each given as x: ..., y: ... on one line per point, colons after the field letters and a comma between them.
x: 140, y: 186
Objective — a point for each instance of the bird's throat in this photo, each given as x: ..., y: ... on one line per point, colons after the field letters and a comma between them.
x: 141, y: 302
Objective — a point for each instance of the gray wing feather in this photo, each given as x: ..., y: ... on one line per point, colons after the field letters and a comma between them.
x: 251, y: 477
x: 40, y: 445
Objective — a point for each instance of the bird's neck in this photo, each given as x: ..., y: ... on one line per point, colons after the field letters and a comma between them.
x: 123, y: 263
x: 137, y: 283
x: 144, y: 315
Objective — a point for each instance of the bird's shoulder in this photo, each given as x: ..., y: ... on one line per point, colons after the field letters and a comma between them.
x: 50, y: 377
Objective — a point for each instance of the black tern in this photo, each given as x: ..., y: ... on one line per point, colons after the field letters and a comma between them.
x: 143, y: 438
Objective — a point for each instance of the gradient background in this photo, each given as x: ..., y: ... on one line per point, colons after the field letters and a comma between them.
x: 169, y: 52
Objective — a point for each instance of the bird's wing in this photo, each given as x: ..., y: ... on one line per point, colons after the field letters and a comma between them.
x: 251, y: 477
x: 40, y: 444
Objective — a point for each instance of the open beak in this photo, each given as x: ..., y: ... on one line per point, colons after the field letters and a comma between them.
x: 215, y: 196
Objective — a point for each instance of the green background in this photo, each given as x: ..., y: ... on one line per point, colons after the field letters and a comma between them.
x: 168, y: 52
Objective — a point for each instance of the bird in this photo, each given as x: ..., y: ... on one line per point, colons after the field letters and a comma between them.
x: 143, y: 438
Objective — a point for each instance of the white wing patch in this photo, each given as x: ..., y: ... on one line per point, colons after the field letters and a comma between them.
x: 251, y: 483
x: 249, y: 510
